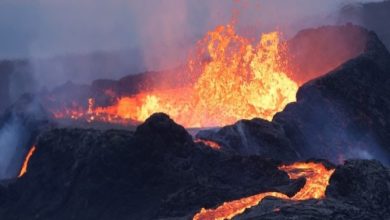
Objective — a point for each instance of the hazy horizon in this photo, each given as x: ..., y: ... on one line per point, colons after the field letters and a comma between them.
x: 46, y: 28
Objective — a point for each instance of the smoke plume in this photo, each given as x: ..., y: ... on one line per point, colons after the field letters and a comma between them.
x: 82, y: 40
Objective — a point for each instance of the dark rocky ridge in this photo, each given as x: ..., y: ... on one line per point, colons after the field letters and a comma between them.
x: 157, y: 171
x: 343, y: 114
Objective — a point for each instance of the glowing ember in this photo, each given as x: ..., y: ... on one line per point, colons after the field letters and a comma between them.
x: 239, y: 81
x: 211, y: 144
x: 25, y: 163
x: 317, y: 179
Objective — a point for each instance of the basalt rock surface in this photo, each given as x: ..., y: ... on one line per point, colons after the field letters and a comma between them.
x: 155, y: 172
x: 158, y: 172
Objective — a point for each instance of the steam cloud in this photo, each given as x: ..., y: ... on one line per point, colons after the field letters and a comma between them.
x: 18, y: 128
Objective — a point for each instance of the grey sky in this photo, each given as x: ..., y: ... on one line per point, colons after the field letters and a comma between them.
x: 30, y: 28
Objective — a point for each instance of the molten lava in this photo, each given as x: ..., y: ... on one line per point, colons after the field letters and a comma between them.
x: 25, y: 163
x: 233, y: 79
x: 213, y: 145
x: 317, y: 179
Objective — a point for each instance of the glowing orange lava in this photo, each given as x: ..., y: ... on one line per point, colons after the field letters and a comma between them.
x: 239, y: 80
x: 213, y: 145
x: 25, y: 163
x: 317, y: 179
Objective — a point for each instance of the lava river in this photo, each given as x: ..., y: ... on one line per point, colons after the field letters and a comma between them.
x: 317, y: 179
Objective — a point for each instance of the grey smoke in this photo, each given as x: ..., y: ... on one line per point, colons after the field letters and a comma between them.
x: 18, y: 129
x: 12, y: 147
x: 155, y: 34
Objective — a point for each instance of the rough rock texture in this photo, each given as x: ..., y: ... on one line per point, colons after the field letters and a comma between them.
x: 364, y: 184
x: 358, y: 190
x: 157, y: 171
x: 253, y: 137
x: 343, y: 113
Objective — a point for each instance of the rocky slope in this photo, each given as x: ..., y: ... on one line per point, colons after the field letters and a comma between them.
x: 343, y: 114
x: 158, y: 172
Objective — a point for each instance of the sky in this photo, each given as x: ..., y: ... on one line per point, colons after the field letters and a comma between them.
x: 45, y: 28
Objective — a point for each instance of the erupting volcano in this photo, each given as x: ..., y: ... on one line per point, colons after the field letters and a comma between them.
x: 232, y: 79
x: 317, y: 179
x: 205, y: 110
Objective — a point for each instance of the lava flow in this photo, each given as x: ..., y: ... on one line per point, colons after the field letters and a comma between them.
x: 317, y: 179
x: 25, y: 163
x: 233, y: 79
x: 212, y: 144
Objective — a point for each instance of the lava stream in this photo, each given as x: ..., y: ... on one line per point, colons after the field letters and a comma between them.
x: 317, y: 179
x: 25, y: 163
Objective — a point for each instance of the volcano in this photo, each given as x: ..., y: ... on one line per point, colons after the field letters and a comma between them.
x: 248, y: 129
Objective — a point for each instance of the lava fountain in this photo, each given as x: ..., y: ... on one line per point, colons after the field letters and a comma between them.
x: 317, y: 179
x: 233, y: 78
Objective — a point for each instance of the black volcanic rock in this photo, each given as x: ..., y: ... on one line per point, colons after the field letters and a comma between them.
x: 343, y: 114
x: 157, y: 171
x: 253, y: 137
x: 161, y: 129
x: 365, y: 184
x: 359, y: 189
